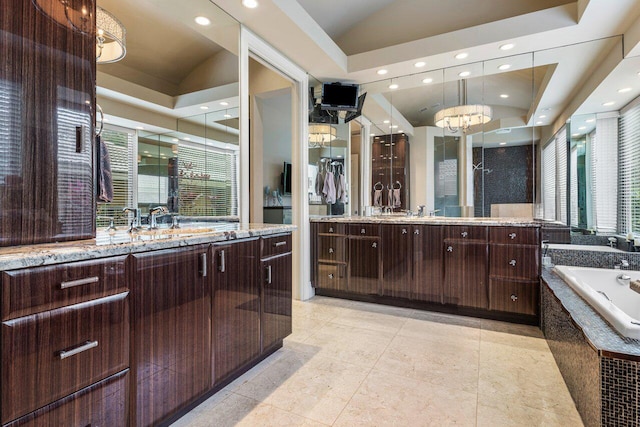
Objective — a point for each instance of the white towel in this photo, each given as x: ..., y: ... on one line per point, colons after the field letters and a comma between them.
x: 329, y: 189
x: 377, y: 198
x: 396, y: 198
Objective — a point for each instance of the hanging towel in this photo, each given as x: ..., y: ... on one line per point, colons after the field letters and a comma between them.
x: 329, y: 189
x: 390, y: 197
x: 319, y: 183
x: 396, y: 198
x: 105, y: 180
x: 341, y: 188
x: 377, y: 198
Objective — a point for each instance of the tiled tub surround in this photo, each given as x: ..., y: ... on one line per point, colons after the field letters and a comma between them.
x: 599, y: 366
x: 591, y: 256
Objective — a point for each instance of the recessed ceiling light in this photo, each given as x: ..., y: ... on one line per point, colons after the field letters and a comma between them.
x: 503, y: 143
x: 575, y: 134
x: 393, y: 86
x: 419, y: 64
x: 227, y: 115
x: 251, y: 4
x: 608, y: 104
x: 385, y: 122
x: 462, y: 55
x: 187, y: 139
x: 139, y: 128
x: 372, y: 134
x: 582, y: 128
x: 175, y: 140
x: 145, y: 152
x: 382, y: 72
x: 543, y: 116
x: 539, y: 123
x: 427, y: 80
x: 401, y: 131
x: 590, y: 120
x: 204, y: 107
x: 464, y: 73
x: 224, y: 103
x: 507, y: 46
x: 624, y: 89
x: 202, y: 20
x: 504, y: 67
x: 504, y: 95
x: 394, y: 127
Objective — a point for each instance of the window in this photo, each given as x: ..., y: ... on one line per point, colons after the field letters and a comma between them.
x: 549, y: 180
x: 561, y: 176
x: 629, y: 169
x: 604, y: 167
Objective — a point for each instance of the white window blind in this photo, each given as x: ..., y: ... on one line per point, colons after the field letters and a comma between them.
x: 629, y: 170
x: 604, y: 175
x: 574, y: 186
x: 120, y: 143
x: 10, y: 130
x: 561, y: 176
x: 549, y: 180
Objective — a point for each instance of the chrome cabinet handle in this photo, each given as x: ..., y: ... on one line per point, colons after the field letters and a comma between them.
x: 374, y: 245
x: 450, y: 249
x: 464, y: 234
x: 203, y: 265
x: 512, y: 235
x: 79, y: 282
x: 330, y: 250
x: 222, y: 265
x: 330, y: 275
x: 363, y: 231
x: 63, y: 354
x: 277, y: 244
x: 514, y: 297
x: 268, y: 274
x: 404, y: 231
x: 512, y: 263
x: 330, y: 229
x: 416, y: 232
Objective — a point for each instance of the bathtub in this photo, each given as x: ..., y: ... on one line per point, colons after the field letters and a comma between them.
x: 616, y: 302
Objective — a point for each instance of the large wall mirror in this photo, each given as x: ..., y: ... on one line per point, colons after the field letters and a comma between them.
x: 171, y: 109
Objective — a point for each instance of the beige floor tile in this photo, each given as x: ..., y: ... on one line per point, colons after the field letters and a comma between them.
x: 385, y: 322
x: 436, y: 362
x: 515, y: 415
x: 425, y: 324
x: 314, y: 387
x: 385, y: 399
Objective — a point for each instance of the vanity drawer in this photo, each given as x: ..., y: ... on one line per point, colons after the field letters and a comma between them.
x: 276, y: 245
x: 332, y: 276
x: 364, y: 230
x: 514, y: 262
x: 514, y: 235
x: 49, y: 355
x: 518, y: 297
x: 332, y: 248
x: 331, y: 228
x: 37, y: 289
x: 466, y: 232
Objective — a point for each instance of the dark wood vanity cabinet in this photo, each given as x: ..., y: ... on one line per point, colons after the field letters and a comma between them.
x: 330, y: 247
x: 396, y: 260
x: 365, y: 259
x: 47, y: 83
x: 427, y: 259
x: 276, y: 282
x: 236, y: 306
x: 171, y: 331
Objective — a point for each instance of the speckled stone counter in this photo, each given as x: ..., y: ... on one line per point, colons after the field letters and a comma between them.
x: 428, y: 220
x: 122, y: 243
x: 600, y: 367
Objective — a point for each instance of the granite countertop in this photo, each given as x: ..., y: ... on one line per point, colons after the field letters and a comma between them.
x: 599, y: 333
x: 122, y: 243
x: 428, y: 220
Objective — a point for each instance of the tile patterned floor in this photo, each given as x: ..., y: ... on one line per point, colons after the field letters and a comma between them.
x: 357, y: 364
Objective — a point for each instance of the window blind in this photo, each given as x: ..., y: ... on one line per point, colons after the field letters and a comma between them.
x: 604, y: 174
x: 561, y: 176
x: 549, y: 180
x: 629, y: 171
x: 10, y: 130
x: 574, y: 186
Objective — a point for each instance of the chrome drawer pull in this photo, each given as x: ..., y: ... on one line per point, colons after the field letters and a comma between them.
x: 449, y: 249
x: 362, y: 231
x: 404, y: 231
x: 268, y: 274
x: 222, y: 266
x: 331, y: 276
x: 330, y: 229
x: 512, y: 263
x: 374, y: 245
x: 464, y: 234
x: 416, y: 232
x: 512, y: 235
x: 277, y: 244
x: 203, y: 265
x: 330, y: 250
x: 84, y: 347
x: 79, y: 282
x: 514, y: 297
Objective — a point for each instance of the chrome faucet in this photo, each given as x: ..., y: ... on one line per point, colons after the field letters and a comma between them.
x: 153, y: 215
x: 623, y: 263
x: 387, y: 210
x: 135, y: 224
x: 421, y: 210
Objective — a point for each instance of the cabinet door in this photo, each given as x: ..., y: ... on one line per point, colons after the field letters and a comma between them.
x: 396, y: 260
x: 48, y: 81
x: 364, y: 265
x: 172, y: 338
x: 276, y: 300
x: 102, y: 404
x: 236, y: 306
x: 332, y: 276
x: 427, y: 263
x: 466, y: 274
x: 514, y: 262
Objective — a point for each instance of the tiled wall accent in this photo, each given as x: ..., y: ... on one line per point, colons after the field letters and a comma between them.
x: 508, y: 176
x: 619, y: 392
x: 589, y: 239
x: 577, y: 360
x: 594, y: 259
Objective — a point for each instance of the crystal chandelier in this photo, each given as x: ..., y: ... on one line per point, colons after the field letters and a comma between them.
x: 464, y: 115
x: 321, y: 134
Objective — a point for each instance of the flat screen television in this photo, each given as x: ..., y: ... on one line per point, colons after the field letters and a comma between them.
x: 337, y: 96
x: 286, y: 178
